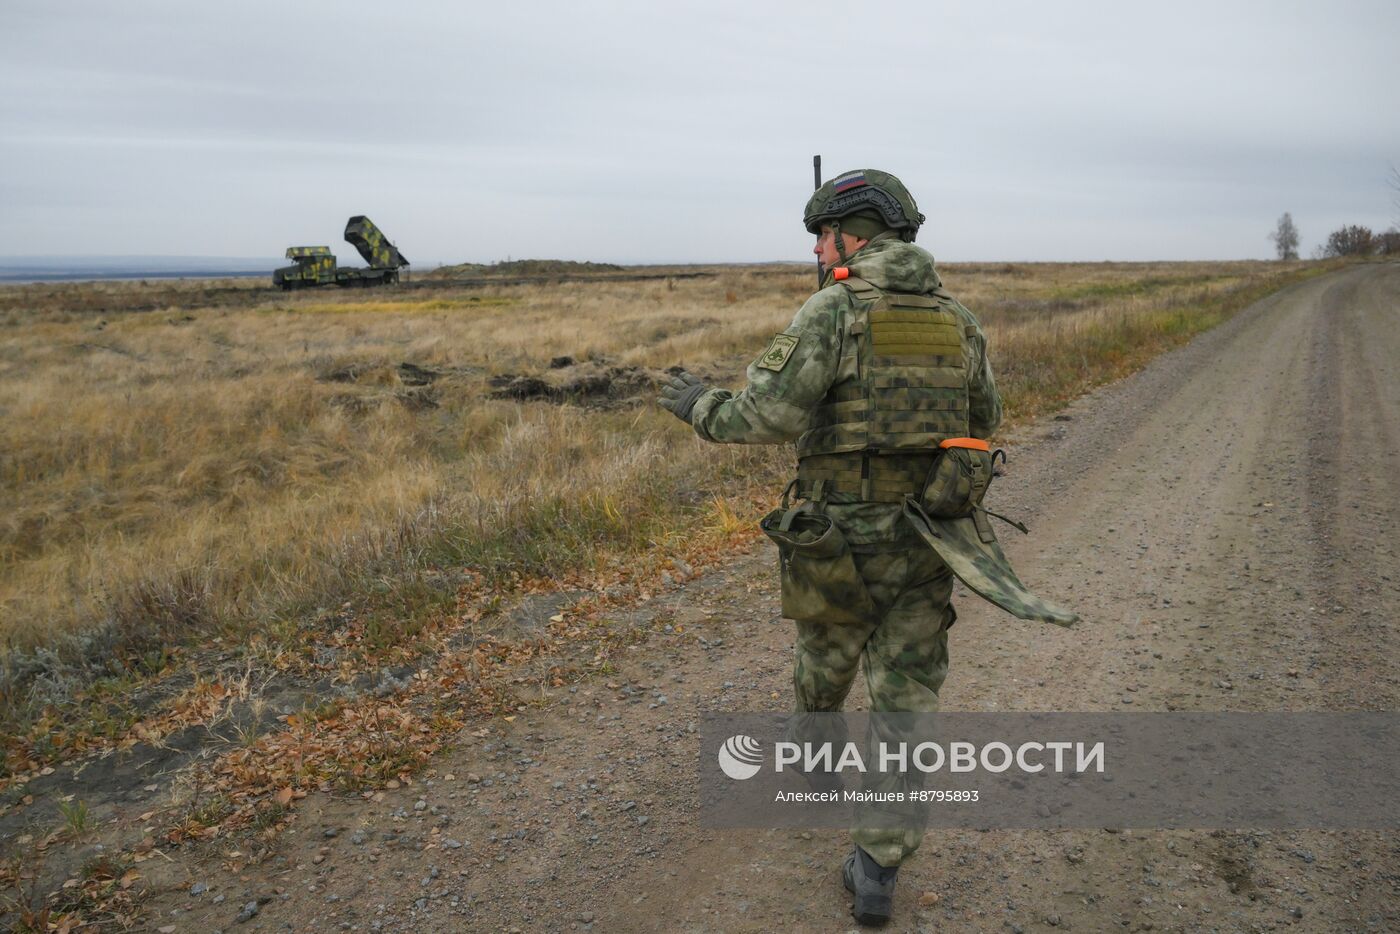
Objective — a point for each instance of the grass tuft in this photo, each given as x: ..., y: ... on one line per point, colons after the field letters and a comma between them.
x: 75, y: 816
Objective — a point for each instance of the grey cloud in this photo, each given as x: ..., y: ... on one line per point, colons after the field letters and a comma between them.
x: 682, y: 131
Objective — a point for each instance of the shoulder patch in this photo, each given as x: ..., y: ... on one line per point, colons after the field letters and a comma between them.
x: 778, y: 352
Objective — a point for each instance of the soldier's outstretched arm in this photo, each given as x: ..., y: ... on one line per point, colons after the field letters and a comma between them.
x: 785, y: 383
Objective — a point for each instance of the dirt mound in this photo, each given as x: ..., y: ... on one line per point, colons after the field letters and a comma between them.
x: 408, y: 384
x: 591, y: 383
x: 594, y: 383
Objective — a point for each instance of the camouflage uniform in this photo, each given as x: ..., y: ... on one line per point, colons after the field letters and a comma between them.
x: 905, y: 642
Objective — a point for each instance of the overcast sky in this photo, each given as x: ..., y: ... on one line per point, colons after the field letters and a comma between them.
x: 684, y: 132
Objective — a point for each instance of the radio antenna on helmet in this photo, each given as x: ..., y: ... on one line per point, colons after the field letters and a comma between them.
x: 817, y: 183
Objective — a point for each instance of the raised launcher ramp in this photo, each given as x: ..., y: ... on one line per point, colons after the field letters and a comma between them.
x: 376, y: 249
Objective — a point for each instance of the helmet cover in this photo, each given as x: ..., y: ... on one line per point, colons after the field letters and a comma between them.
x: 863, y: 191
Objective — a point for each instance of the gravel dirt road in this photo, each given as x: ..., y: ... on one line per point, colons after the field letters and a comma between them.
x: 1224, y: 522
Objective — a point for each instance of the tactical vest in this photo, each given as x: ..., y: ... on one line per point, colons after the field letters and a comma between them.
x: 901, y: 388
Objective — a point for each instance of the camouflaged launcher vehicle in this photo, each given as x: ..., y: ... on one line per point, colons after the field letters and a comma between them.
x: 315, y: 265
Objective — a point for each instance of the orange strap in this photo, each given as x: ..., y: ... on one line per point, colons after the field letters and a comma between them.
x: 977, y: 444
x: 840, y: 272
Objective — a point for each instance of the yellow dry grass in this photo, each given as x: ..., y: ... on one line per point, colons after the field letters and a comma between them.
x: 180, y: 461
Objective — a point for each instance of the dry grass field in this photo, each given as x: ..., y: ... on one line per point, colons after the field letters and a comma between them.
x: 199, y: 463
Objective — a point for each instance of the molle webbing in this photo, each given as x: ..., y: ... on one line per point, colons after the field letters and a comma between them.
x: 911, y: 389
x: 879, y: 478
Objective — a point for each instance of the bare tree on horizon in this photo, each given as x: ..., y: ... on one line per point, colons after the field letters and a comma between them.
x: 1285, y: 237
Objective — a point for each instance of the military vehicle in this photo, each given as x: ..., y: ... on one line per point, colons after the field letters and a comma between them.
x: 315, y: 265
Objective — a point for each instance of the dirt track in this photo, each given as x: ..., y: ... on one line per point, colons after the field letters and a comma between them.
x: 1223, y: 522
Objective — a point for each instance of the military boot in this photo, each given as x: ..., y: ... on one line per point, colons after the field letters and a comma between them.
x: 872, y: 885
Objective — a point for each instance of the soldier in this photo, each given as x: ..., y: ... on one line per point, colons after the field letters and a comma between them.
x: 876, y: 369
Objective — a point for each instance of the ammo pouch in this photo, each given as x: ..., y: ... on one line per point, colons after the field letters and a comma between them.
x: 820, y: 580
x: 958, y: 479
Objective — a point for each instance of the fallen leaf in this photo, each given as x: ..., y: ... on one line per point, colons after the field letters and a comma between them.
x: 284, y: 797
x: 130, y: 876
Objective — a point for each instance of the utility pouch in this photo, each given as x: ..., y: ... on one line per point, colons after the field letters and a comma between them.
x: 958, y: 479
x: 819, y: 576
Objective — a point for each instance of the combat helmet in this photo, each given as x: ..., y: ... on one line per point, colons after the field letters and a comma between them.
x: 866, y: 192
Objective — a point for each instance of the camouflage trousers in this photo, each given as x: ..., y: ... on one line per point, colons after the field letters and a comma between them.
x: 904, y: 649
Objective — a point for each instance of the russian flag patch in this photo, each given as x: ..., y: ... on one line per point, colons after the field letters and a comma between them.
x: 850, y: 180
